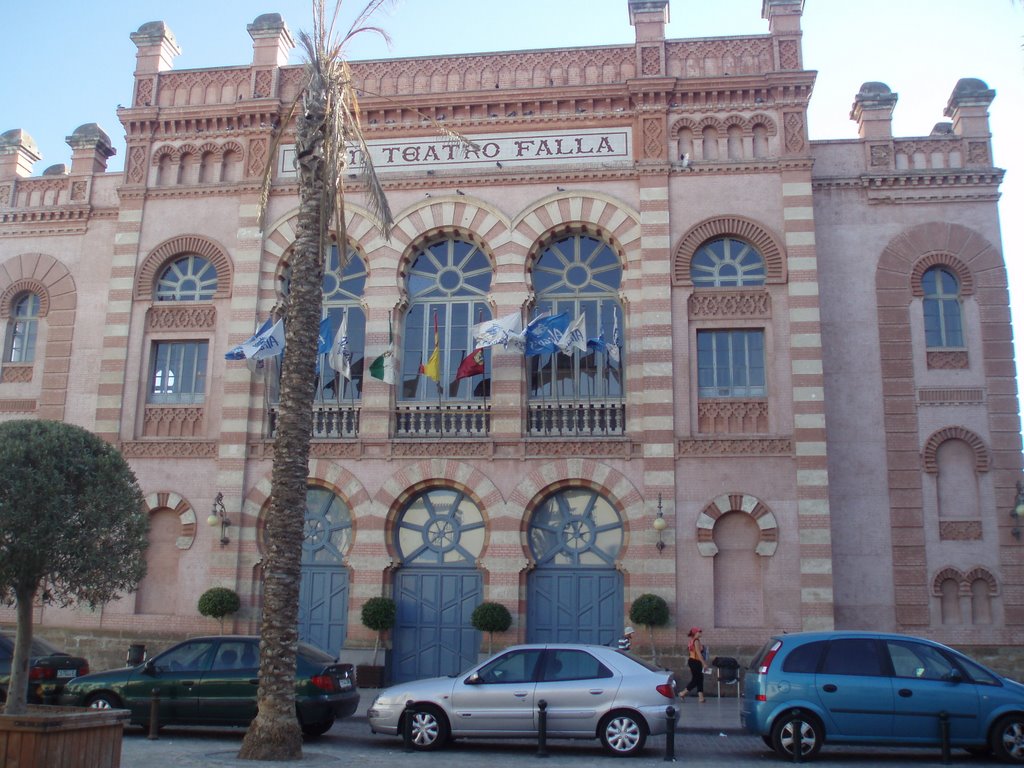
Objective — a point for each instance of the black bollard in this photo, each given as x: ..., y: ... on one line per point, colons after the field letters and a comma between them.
x: 798, y: 735
x: 407, y: 726
x: 154, y: 715
x: 944, y: 736
x: 670, y: 734
x: 542, y: 728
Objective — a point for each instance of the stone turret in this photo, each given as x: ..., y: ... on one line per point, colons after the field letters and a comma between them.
x: 271, y: 41
x: 968, y: 107
x: 649, y: 17
x: 157, y: 48
x: 90, y: 149
x: 18, y: 153
x: 872, y: 110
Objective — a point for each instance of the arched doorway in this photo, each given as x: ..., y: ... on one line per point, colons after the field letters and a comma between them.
x: 438, y: 537
x: 323, y: 590
x: 574, y: 594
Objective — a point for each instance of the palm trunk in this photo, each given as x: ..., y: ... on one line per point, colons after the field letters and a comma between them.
x: 17, y: 687
x: 275, y: 733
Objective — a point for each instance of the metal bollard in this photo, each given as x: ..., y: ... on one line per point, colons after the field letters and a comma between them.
x: 798, y: 744
x: 944, y: 736
x: 542, y: 729
x: 670, y: 734
x: 154, y: 715
x: 407, y: 726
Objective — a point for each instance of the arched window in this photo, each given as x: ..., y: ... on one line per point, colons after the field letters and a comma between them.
x: 575, y: 527
x: 950, y: 601
x: 580, y: 275
x: 22, y: 328
x: 187, y: 278
x: 943, y: 322
x: 441, y: 526
x: 447, y: 287
x: 343, y: 286
x: 727, y: 263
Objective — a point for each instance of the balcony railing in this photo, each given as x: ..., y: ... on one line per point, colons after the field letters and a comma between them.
x: 576, y: 419
x: 329, y: 421
x: 447, y: 420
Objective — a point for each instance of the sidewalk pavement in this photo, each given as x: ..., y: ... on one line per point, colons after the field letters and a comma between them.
x: 701, y: 728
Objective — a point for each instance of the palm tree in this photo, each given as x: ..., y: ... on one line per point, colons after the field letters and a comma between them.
x: 327, y: 118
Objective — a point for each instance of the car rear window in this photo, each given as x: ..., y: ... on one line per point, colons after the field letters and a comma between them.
x: 756, y: 661
x: 804, y: 658
x: 314, y: 655
x: 642, y: 662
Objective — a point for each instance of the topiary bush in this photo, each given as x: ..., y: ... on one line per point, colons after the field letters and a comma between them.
x: 650, y: 611
x: 218, y: 602
x: 491, y: 618
x: 379, y: 615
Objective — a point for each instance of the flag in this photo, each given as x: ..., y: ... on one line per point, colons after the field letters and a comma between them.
x: 268, y: 341
x: 383, y: 367
x: 472, y: 365
x: 432, y: 368
x: 340, y: 356
x: 598, y: 344
x: 615, y: 346
x: 323, y: 341
x: 493, y: 332
x: 574, y: 337
x: 543, y: 334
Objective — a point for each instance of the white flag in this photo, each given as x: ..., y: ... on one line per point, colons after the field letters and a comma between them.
x: 613, y: 348
x: 267, y: 342
x: 493, y: 332
x: 340, y: 357
x: 574, y: 337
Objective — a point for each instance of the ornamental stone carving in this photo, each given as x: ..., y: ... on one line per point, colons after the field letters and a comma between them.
x: 881, y: 156
x: 960, y: 530
x: 650, y: 60
x: 181, y: 317
x: 144, y: 93
x: 794, y: 131
x: 17, y: 406
x: 789, y: 54
x: 136, y: 165
x: 704, y: 305
x: 736, y: 447
x: 945, y: 360
x: 169, y: 449
x: 732, y: 416
x: 14, y: 373
x: 174, y: 421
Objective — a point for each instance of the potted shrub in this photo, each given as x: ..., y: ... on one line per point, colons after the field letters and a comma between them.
x: 378, y: 614
x: 650, y: 611
x: 491, y: 618
x: 74, y: 524
x: 219, y: 602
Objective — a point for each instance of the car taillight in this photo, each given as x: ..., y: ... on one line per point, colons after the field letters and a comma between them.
x: 42, y: 673
x: 766, y: 662
x: 666, y: 690
x: 83, y: 670
x: 324, y: 683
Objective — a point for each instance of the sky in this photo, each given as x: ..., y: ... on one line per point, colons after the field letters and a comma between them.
x: 68, y: 62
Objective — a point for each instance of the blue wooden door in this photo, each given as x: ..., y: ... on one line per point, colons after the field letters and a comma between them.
x: 433, y: 635
x: 575, y: 593
x: 323, y: 589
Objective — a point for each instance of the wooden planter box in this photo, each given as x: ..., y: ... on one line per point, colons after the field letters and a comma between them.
x: 369, y: 676
x: 63, y: 737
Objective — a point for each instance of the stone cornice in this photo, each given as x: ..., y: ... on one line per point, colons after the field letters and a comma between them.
x: 953, y: 184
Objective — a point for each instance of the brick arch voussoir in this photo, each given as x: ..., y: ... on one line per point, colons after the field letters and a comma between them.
x: 982, y: 458
x: 981, y: 573
x: 941, y: 259
x: 767, y: 243
x: 165, y: 151
x: 43, y: 275
x: 435, y: 473
x: 954, y: 241
x: 683, y: 122
x: 944, y: 575
x: 180, y: 506
x: 761, y: 513
x: 154, y: 263
x: 762, y: 119
x: 342, y: 482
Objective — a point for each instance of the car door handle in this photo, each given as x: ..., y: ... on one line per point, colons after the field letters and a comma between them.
x: 829, y: 688
x: 596, y: 691
x: 188, y: 682
x: 906, y: 693
x: 521, y: 694
x: 254, y: 681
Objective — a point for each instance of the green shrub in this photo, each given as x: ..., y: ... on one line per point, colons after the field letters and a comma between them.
x: 650, y: 611
x: 491, y: 618
x: 218, y: 602
x: 378, y: 614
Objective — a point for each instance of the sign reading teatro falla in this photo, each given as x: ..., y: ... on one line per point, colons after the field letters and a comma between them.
x: 586, y: 146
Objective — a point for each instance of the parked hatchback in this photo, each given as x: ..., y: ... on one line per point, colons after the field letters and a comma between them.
x: 591, y: 692
x: 49, y: 669
x: 213, y: 681
x: 872, y: 688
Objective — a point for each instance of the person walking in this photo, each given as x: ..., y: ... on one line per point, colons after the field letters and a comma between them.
x: 695, y: 662
x: 626, y: 641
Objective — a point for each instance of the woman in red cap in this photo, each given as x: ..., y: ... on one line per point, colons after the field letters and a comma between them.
x: 695, y: 661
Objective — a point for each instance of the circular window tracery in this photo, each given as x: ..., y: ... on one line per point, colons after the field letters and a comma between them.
x: 189, y: 278
x: 727, y: 263
x: 440, y: 526
x: 575, y: 527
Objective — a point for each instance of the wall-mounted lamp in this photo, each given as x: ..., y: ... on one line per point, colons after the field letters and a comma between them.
x: 660, y: 524
x: 219, y: 516
x: 1018, y: 510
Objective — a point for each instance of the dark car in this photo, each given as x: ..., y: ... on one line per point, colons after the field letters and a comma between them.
x: 807, y: 689
x: 48, y: 669
x: 213, y: 681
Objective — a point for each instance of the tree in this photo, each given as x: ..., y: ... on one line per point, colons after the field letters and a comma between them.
x: 73, y: 527
x: 378, y: 614
x: 650, y: 611
x: 218, y: 602
x: 491, y: 618
x: 326, y: 120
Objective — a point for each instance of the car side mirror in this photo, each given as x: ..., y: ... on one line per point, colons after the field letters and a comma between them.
x: 953, y: 676
x: 149, y: 668
x: 473, y: 679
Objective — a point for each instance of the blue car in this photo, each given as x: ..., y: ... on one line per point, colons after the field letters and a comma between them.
x: 806, y: 689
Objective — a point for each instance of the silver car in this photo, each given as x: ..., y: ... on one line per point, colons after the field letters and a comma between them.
x: 589, y: 691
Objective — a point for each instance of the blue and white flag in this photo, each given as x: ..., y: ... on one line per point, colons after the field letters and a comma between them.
x: 598, y: 344
x: 573, y: 337
x: 616, y: 345
x: 268, y: 341
x: 544, y: 333
x: 340, y: 356
x: 323, y: 340
x: 493, y: 332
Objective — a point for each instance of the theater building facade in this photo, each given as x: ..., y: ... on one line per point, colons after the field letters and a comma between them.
x: 802, y: 358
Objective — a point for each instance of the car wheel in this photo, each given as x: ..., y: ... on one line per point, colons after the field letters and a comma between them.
x: 767, y: 741
x: 429, y: 728
x: 103, y: 701
x: 1007, y: 740
x: 313, y: 730
x: 793, y: 725
x: 623, y: 733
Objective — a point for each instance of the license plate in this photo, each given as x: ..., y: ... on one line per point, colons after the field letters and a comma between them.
x: 344, y: 683
x: 67, y: 673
